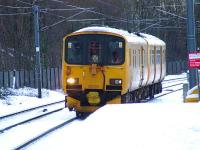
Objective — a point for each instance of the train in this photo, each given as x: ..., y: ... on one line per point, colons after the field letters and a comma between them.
x: 104, y: 65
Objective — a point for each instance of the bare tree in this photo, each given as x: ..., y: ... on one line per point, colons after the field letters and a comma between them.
x: 163, y: 18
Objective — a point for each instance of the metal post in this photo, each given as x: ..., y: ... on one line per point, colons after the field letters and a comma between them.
x: 37, y: 47
x: 191, y: 43
x: 198, y: 83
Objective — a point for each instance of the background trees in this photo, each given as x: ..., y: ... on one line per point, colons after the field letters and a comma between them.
x: 163, y: 18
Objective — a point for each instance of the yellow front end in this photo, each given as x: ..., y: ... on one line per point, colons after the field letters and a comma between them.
x: 90, y: 86
x: 91, y: 91
x: 75, y: 104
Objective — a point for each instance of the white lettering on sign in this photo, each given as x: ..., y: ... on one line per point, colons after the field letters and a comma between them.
x: 194, y: 60
x: 194, y: 56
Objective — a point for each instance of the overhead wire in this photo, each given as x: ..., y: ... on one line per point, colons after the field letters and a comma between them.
x: 52, y: 14
x: 14, y: 14
x: 45, y: 10
x: 24, y: 2
x: 150, y: 26
x: 58, y: 1
x: 47, y: 27
x: 58, y: 9
x: 48, y: 10
x: 77, y: 20
x: 172, y: 14
x: 92, y: 11
x: 13, y: 7
x: 106, y: 3
x: 67, y: 18
x: 160, y: 6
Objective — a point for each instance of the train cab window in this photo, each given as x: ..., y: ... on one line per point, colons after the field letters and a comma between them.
x: 115, y: 58
x: 116, y: 52
x: 94, y: 51
x: 97, y: 49
x: 74, y: 52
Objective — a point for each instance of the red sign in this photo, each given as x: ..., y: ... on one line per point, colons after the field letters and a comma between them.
x: 194, y: 60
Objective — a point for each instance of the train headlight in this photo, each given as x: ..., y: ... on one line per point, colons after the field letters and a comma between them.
x: 72, y: 80
x: 116, y: 81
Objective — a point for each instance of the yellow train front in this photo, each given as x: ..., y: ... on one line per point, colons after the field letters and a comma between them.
x: 96, y: 68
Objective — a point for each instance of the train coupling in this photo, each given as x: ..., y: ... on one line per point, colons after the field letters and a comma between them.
x: 93, y: 98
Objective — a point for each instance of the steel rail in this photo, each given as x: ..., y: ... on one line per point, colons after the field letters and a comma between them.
x: 175, y: 79
x: 19, y: 112
x: 172, y: 85
x: 168, y: 93
x: 28, y: 120
x: 45, y: 133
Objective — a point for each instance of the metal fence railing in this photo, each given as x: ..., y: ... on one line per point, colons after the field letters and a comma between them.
x: 23, y: 78
x: 176, y: 67
x: 51, y: 77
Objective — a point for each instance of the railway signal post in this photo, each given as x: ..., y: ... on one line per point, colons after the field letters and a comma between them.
x: 37, y: 46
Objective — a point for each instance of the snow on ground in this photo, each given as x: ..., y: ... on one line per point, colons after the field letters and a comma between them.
x: 13, y: 100
x: 163, y: 124
x: 128, y: 127
x: 175, y: 76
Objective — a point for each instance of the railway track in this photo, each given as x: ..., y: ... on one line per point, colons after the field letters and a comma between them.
x: 27, y: 143
x: 10, y: 121
x: 174, y: 86
x: 36, y: 128
x: 169, y: 87
x: 171, y: 83
x: 28, y: 120
x: 175, y: 79
x: 166, y: 87
x: 167, y: 93
x: 31, y: 109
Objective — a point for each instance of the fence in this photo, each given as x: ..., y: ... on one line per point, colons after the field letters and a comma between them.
x: 51, y: 76
x: 176, y: 67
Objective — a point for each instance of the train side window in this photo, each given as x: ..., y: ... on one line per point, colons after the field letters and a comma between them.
x: 144, y: 58
x: 135, y: 57
x: 139, y: 57
x: 163, y: 55
x: 152, y: 56
x: 158, y: 55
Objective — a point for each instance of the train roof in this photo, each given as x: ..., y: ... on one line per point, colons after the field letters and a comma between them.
x: 105, y: 29
x: 127, y: 35
x: 153, y: 39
